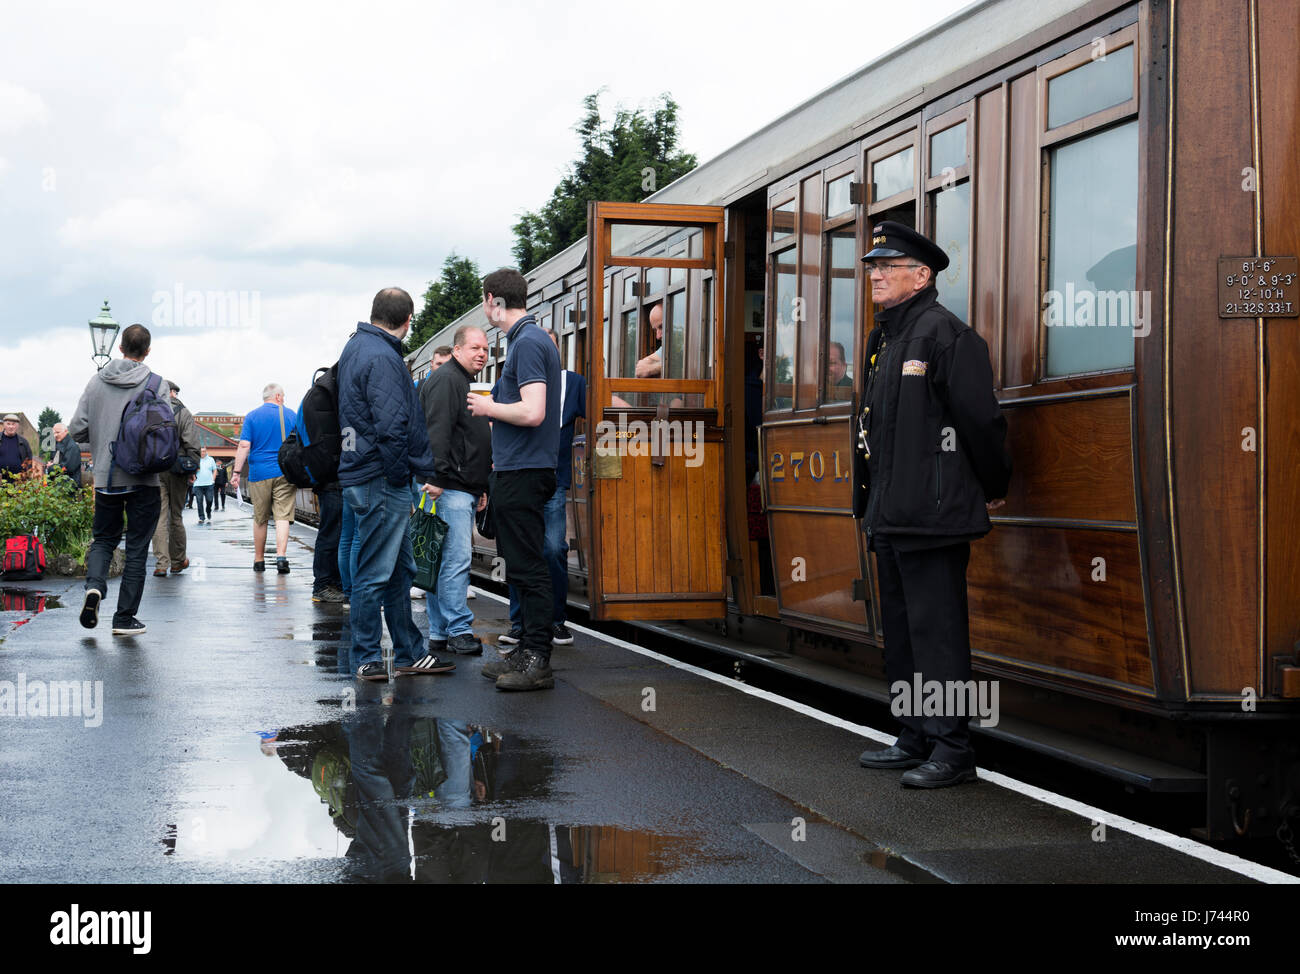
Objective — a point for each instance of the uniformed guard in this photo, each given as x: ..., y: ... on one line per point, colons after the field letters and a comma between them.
x: 929, y: 462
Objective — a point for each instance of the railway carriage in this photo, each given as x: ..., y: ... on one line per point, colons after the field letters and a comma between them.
x: 1116, y: 186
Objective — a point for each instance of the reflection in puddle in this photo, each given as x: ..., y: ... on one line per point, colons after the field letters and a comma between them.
x: 27, y: 600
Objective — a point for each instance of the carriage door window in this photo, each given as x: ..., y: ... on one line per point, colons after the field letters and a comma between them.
x: 783, y: 264
x: 1091, y: 309
x: 839, y: 251
x: 892, y: 170
x: 948, y: 194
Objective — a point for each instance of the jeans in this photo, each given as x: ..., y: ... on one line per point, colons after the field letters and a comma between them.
x: 347, y: 546
x: 448, y: 612
x: 384, y: 569
x: 203, y: 497
x: 453, y: 750
x: 140, y: 506
x: 325, y: 562
x: 555, y: 549
x: 518, y: 499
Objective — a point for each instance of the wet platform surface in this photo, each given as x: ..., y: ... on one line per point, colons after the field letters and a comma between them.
x: 233, y: 744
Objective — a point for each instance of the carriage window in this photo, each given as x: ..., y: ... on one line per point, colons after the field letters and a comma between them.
x: 892, y: 175
x: 952, y: 233
x: 1089, y: 301
x: 837, y: 196
x: 783, y: 220
x: 1100, y: 83
x: 781, y: 391
x: 948, y: 149
x: 837, y: 382
x: 676, y: 327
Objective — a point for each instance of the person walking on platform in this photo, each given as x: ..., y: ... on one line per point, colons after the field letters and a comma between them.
x: 169, y: 539
x: 525, y: 443
x: 389, y: 444
x: 265, y: 428
x: 462, y: 450
x: 122, y: 500
x: 929, y: 461
x: 204, y: 478
x: 219, y: 481
x: 555, y: 547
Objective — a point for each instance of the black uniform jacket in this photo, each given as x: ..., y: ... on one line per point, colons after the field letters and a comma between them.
x: 933, y: 389
x: 461, y: 443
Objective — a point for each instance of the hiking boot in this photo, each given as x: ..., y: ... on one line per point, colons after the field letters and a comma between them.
x: 282, y: 566
x: 130, y: 627
x: 560, y: 635
x: 532, y: 673
x: 510, y: 638
x: 259, y: 566
x: 328, y: 594
x: 495, y: 668
x: 438, y: 647
x: 372, y: 671
x: 90, y: 608
x: 430, y: 663
x: 177, y: 569
x: 465, y: 644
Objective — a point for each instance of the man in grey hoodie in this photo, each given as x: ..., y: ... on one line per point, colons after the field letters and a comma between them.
x: 96, y: 421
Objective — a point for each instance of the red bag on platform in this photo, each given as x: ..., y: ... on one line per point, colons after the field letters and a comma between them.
x: 24, y: 559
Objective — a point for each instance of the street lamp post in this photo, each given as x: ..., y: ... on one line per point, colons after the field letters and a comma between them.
x: 103, y: 332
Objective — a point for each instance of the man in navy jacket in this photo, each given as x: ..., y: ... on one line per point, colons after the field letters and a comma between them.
x: 385, y: 444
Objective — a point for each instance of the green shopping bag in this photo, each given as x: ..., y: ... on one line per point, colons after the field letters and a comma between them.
x: 428, y: 534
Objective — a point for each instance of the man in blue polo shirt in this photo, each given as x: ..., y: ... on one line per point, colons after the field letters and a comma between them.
x: 265, y: 428
x: 525, y: 441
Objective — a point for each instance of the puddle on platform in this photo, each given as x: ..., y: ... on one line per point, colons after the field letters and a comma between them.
x: 374, y: 790
x: 13, y: 599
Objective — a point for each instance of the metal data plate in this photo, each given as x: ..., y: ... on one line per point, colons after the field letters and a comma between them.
x: 1259, y: 287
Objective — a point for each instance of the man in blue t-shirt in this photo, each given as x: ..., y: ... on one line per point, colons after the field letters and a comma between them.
x: 525, y: 416
x: 265, y: 428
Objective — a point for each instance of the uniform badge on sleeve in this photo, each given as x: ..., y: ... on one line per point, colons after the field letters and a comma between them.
x: 914, y: 367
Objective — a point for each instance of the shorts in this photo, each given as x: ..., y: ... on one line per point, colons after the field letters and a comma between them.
x: 272, y: 499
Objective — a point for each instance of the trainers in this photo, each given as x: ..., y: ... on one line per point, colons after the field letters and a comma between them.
x: 259, y: 566
x: 417, y: 593
x: 532, y: 673
x: 465, y: 644
x: 328, y: 594
x: 510, y: 638
x: 560, y: 635
x: 90, y: 608
x: 160, y: 572
x: 177, y: 569
x: 132, y: 627
x: 430, y: 663
x: 372, y: 671
x: 282, y: 566
x: 495, y: 668
x: 470, y: 594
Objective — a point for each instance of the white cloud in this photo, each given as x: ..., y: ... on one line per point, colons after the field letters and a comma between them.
x: 20, y: 108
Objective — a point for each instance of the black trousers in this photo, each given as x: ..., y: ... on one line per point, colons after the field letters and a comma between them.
x: 325, y: 562
x: 924, y: 611
x: 221, y: 495
x: 140, y: 507
x: 518, y: 500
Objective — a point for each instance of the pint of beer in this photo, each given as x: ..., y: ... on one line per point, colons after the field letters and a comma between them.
x: 480, y: 388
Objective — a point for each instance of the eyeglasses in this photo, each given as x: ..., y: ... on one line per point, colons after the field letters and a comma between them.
x: 872, y: 267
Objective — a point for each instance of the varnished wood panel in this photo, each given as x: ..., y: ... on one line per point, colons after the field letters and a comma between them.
x: 1020, y: 349
x: 990, y: 203
x: 795, y: 453
x: 1033, y: 598
x: 1279, y: 72
x: 1213, y: 362
x: 828, y: 565
x: 1072, y: 459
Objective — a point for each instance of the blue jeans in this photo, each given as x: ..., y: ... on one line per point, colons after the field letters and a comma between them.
x: 453, y: 751
x: 384, y: 569
x: 447, y: 609
x: 555, y: 549
x: 347, y: 547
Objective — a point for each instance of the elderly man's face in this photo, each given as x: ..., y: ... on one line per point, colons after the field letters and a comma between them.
x: 11, y: 428
x: 60, y: 431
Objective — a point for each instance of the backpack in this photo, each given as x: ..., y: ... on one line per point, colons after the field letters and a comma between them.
x: 185, y: 464
x: 309, y: 456
x: 24, y: 559
x: 148, y: 439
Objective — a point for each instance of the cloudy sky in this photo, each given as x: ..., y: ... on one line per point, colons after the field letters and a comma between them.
x: 164, y: 155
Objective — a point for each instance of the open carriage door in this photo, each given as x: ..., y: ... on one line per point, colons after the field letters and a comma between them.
x: 654, y: 457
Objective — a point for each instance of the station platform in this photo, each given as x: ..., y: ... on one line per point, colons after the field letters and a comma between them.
x: 232, y: 744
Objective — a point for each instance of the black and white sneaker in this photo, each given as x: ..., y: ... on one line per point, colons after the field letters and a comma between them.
x: 429, y: 663
x: 90, y: 608
x: 131, y: 627
x: 510, y: 638
x: 560, y: 635
x: 372, y: 671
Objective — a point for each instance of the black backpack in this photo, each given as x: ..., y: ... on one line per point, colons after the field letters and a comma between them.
x: 309, y: 456
x: 148, y: 439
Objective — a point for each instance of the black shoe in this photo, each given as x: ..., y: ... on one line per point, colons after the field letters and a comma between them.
x: 510, y: 638
x: 505, y: 664
x: 937, y: 774
x: 430, y: 663
x: 372, y: 671
x: 891, y: 757
x: 90, y: 608
x: 465, y: 644
x: 532, y: 673
x: 560, y: 635
x: 328, y: 594
x: 131, y: 627
x: 282, y: 566
x: 259, y: 566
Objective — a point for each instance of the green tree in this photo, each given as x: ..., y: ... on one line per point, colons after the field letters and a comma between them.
x: 458, y: 289
x: 44, y: 428
x: 622, y: 162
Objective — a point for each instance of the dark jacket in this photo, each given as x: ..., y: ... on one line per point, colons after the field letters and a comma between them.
x: 379, y: 413
x: 936, y: 434
x: 16, y: 453
x: 68, y: 456
x: 461, y: 443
